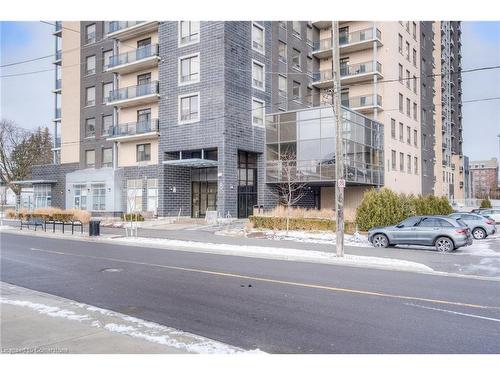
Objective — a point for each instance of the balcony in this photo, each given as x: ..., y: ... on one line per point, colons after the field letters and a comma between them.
x: 58, y: 57
x: 360, y: 72
x: 57, y: 143
x: 322, y: 24
x: 129, y: 29
x: 134, y: 131
x: 57, y: 114
x: 323, y: 80
x: 58, y: 85
x: 360, y: 40
x: 58, y: 28
x: 134, y: 95
x: 323, y: 48
x: 364, y: 103
x: 138, y: 59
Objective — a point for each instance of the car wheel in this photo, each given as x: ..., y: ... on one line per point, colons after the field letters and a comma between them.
x: 479, y: 233
x: 444, y: 245
x: 380, y: 240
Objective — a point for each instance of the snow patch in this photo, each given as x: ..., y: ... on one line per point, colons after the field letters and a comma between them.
x: 53, y: 311
x: 356, y: 239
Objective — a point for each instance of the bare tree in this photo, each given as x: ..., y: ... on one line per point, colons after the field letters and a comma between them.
x: 20, y: 150
x: 290, y: 190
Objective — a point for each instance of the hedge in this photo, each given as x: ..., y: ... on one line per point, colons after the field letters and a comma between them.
x: 134, y: 216
x: 279, y: 223
x: 51, y: 213
x: 485, y: 203
x: 385, y: 207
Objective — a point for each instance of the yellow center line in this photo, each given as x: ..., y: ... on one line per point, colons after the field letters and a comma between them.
x: 282, y: 282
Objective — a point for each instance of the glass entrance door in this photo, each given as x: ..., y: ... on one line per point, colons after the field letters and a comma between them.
x: 204, y: 197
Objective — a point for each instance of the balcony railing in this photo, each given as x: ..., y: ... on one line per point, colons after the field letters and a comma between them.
x: 58, y: 84
x: 57, y: 113
x: 132, y: 92
x: 134, y: 128
x: 359, y: 36
x: 362, y: 101
x: 132, y: 56
x: 326, y: 75
x: 57, y: 142
x: 361, y: 68
x: 120, y: 25
x: 325, y: 43
x: 58, y: 26
x: 58, y: 55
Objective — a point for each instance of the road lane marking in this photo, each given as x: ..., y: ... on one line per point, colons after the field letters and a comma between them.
x: 454, y: 312
x: 282, y: 282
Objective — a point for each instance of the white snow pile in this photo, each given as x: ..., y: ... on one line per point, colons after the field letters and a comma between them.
x: 52, y: 311
x: 355, y: 239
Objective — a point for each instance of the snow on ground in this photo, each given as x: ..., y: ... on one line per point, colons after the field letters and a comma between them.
x: 318, y: 237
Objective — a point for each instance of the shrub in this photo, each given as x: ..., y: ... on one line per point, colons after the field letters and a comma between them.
x: 134, y: 216
x: 79, y: 215
x: 299, y: 212
x: 11, y: 214
x: 308, y: 224
x: 485, y: 203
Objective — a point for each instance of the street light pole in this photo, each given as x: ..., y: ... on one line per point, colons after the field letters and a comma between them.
x: 339, y: 150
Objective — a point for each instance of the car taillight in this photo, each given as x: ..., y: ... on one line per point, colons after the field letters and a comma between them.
x: 461, y: 231
x: 490, y: 222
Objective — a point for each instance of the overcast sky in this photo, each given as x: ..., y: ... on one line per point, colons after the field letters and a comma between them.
x: 28, y: 100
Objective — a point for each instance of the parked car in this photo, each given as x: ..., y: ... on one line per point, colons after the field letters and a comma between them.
x: 480, y: 226
x: 477, y: 210
x: 444, y: 233
x: 493, y: 213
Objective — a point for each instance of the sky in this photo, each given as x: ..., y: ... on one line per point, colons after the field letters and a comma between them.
x: 29, y: 102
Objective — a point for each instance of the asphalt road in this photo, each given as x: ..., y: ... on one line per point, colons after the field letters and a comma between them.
x: 276, y: 306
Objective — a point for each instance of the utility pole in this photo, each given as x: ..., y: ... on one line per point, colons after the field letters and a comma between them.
x: 339, y: 150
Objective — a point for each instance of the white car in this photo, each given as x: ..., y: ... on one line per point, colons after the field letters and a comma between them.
x: 494, y: 213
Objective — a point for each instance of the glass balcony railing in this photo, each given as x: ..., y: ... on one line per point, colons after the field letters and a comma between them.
x: 58, y: 84
x: 323, y: 44
x: 58, y: 55
x: 134, y: 128
x: 359, y: 36
x: 57, y: 113
x: 326, y: 75
x: 58, y: 26
x: 132, y: 92
x: 361, y: 68
x: 120, y: 25
x: 362, y: 101
x: 57, y: 142
x: 132, y: 56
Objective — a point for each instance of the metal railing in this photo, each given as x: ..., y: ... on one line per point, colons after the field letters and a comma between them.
x: 360, y: 68
x: 362, y: 101
x: 57, y: 113
x: 132, y: 92
x: 120, y: 25
x: 132, y: 56
x: 133, y: 128
x: 359, y: 36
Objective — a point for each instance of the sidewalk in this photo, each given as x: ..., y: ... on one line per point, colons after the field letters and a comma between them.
x: 35, y: 322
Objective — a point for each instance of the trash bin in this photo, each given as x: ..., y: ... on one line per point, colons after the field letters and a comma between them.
x: 94, y: 228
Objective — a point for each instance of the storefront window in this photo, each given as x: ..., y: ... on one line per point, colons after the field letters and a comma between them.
x: 98, y: 197
x: 134, y: 195
x: 42, y: 195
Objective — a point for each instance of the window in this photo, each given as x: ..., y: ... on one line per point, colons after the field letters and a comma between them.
x: 144, y: 120
x: 134, y: 195
x: 408, y: 163
x: 189, y: 32
x: 189, y: 108
x: 90, y: 64
x: 90, y: 96
x: 282, y: 51
x: 90, y: 127
x: 143, y: 79
x: 309, y: 66
x: 107, y: 157
x: 144, y: 43
x: 309, y: 35
x: 257, y: 112
x: 107, y: 89
x: 393, y: 128
x: 408, y: 107
x: 296, y: 90
x: 407, y: 51
x: 258, y: 75
x: 408, y: 26
x: 400, y: 73
x: 42, y: 195
x: 90, y: 34
x: 152, y: 190
x: 189, y: 69
x: 415, y: 84
x: 401, y: 132
x: 309, y: 96
x: 282, y: 24
x: 98, y: 197
x: 400, y: 43
x: 401, y: 162
x: 401, y: 103
x: 408, y: 79
x: 415, y: 169
x: 106, y: 56
x: 296, y: 58
x: 143, y: 152
x: 344, y: 97
x: 393, y: 160
x: 408, y: 135
x: 107, y: 125
x: 415, y: 137
x: 258, y: 38
x: 282, y: 85
x: 414, y: 57
x: 415, y: 30
x: 80, y: 196
x: 296, y: 28
x: 415, y: 111
x: 90, y: 158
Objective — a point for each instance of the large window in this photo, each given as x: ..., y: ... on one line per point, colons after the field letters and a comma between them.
x: 414, y: 57
x: 107, y: 125
x: 415, y: 84
x: 393, y: 160
x: 90, y: 65
x: 258, y: 112
x: 309, y: 66
x: 90, y: 158
x: 296, y: 94
x: 90, y: 96
x: 296, y: 59
x: 98, y: 197
x: 134, y: 195
x: 42, y: 194
x: 90, y: 36
x: 415, y: 110
x: 408, y: 163
x: 309, y: 35
x: 401, y: 162
x: 106, y: 56
x: 90, y: 127
x: 189, y: 108
x: 107, y: 157
x: 393, y: 128
x: 401, y: 103
x: 400, y: 70
x: 401, y: 136
x: 143, y: 152
x: 408, y: 79
x: 415, y: 169
x: 282, y: 51
x: 80, y: 196
x: 400, y: 43
x: 408, y: 135
x: 407, y: 50
x: 258, y: 38
x: 152, y: 190
x: 282, y: 86
x: 415, y: 138
x: 258, y: 75
x: 296, y: 28
x: 247, y: 183
x: 107, y: 89
x: 408, y: 107
x: 189, y: 71
x: 189, y: 32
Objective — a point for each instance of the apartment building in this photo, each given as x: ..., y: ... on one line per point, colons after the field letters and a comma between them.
x: 484, y: 178
x: 379, y: 66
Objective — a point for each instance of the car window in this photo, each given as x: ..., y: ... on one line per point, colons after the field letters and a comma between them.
x: 459, y: 221
x: 445, y: 223
x: 429, y: 222
x: 410, y: 222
